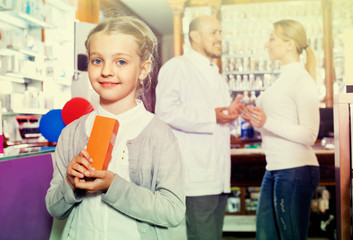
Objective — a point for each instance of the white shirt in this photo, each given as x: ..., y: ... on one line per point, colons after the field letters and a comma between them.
x: 94, y: 218
x: 292, y: 108
x: 188, y: 91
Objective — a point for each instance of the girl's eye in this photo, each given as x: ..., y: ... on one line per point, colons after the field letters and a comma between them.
x: 97, y: 61
x: 121, y: 62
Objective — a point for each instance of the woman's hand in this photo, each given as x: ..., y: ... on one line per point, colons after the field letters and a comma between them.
x: 95, y: 181
x: 77, y: 168
x: 255, y: 116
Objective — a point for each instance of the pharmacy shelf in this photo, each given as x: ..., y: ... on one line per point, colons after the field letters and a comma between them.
x: 16, y: 111
x: 20, y: 78
x: 16, y: 52
x: 250, y: 72
x: 20, y: 20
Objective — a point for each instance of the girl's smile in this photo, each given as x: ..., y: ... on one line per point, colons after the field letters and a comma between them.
x: 108, y: 84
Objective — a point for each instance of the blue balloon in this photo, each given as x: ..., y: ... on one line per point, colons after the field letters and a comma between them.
x: 51, y: 124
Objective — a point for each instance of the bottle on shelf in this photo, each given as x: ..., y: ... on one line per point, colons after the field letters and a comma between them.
x: 232, y: 83
x: 231, y: 65
x: 246, y: 64
x: 252, y: 99
x: 267, y: 80
x: 239, y: 65
x: 239, y: 82
x: 261, y: 64
x: 245, y: 97
x: 253, y: 64
x: 246, y: 82
x: 258, y: 83
x: 251, y: 81
x: 246, y: 129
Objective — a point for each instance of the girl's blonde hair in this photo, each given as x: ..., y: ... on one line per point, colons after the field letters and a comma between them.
x: 291, y: 29
x: 143, y: 35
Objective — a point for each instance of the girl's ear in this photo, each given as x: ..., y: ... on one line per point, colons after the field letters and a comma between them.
x: 145, y: 69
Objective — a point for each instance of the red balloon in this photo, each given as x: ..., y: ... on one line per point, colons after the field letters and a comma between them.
x: 75, y: 108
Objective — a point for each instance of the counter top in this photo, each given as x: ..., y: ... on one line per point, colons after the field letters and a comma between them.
x: 24, y: 150
x: 249, y: 151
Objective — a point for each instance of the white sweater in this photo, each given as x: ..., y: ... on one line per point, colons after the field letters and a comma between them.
x: 292, y: 108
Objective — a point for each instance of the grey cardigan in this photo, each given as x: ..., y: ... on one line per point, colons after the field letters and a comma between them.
x: 155, y: 195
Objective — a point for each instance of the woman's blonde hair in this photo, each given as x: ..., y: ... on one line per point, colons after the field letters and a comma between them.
x: 143, y: 35
x: 291, y: 29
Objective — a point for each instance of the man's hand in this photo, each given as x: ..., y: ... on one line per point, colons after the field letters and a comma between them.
x: 236, y: 107
x: 222, y: 117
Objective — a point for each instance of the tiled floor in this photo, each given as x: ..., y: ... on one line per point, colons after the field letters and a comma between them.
x: 253, y: 238
x: 235, y: 228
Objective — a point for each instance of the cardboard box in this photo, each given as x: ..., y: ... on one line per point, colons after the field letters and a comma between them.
x: 101, y: 141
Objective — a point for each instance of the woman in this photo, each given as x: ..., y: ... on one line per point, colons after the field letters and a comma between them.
x: 287, y: 116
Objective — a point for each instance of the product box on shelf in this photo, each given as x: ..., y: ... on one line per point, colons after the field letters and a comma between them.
x: 101, y: 141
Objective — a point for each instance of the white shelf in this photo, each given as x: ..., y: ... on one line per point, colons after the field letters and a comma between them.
x: 16, y: 111
x: 25, y: 78
x: 18, y: 77
x: 250, y: 72
x: 18, y: 52
x: 20, y: 20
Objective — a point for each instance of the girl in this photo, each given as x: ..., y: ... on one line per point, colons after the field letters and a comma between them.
x: 287, y: 116
x: 140, y: 196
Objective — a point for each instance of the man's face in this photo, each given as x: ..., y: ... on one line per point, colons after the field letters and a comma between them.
x: 210, y: 39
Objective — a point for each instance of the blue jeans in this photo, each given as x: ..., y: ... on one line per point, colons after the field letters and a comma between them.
x: 284, y: 205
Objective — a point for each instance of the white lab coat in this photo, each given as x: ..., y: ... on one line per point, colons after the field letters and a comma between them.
x: 188, y: 91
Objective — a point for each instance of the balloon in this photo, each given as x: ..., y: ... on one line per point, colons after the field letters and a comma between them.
x: 51, y: 125
x: 75, y: 108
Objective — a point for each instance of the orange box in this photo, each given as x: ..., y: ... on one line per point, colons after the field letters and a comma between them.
x: 101, y: 141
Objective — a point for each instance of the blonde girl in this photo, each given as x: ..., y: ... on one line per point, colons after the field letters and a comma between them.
x: 140, y: 195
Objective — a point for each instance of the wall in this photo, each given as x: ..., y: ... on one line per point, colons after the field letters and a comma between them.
x: 167, y: 48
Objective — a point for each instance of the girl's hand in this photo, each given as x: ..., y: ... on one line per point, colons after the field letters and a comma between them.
x: 78, y: 167
x: 256, y: 116
x: 98, y: 181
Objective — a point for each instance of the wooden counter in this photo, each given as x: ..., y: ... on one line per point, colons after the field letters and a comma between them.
x: 248, y: 166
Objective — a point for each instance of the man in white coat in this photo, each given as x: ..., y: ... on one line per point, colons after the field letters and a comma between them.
x: 193, y: 98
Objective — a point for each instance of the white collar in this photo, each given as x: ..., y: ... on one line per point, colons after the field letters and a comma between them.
x: 127, y: 116
x: 290, y: 66
x: 200, y: 59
